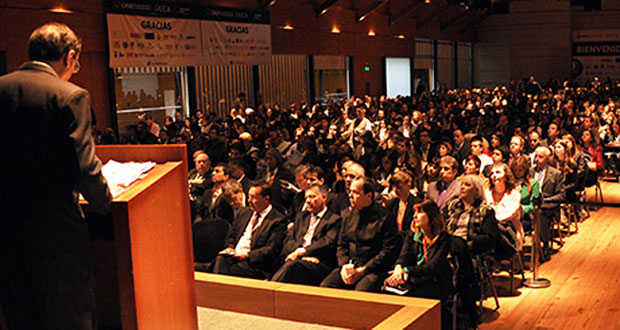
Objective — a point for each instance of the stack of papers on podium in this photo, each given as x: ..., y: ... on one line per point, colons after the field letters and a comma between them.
x: 121, y: 175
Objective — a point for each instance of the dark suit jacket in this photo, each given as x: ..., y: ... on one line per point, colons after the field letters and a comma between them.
x: 50, y: 157
x: 323, y: 245
x: 199, y: 189
x: 368, y: 238
x: 461, y: 153
x: 245, y: 183
x: 218, y: 210
x: 281, y: 197
x: 552, y: 189
x: 297, y: 204
x: 392, y: 207
x: 266, y: 239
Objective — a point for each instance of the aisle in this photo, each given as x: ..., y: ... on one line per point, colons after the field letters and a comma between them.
x: 584, y: 275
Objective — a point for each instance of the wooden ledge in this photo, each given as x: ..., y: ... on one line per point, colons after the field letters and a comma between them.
x: 309, y: 304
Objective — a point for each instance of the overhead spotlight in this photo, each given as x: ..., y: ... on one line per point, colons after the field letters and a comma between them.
x: 400, y: 36
x: 335, y: 29
x: 271, y: 3
x: 287, y: 27
x: 61, y: 10
x: 428, y: 1
x: 371, y: 33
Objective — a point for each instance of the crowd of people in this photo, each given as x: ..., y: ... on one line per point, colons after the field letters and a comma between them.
x: 376, y: 193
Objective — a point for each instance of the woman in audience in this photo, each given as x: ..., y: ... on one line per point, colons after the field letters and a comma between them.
x: 497, y: 139
x: 593, y: 148
x: 612, y: 133
x: 470, y: 218
x: 422, y: 266
x: 499, y: 155
x: 581, y: 158
x: 401, y: 201
x: 504, y: 196
x: 445, y: 149
x: 384, y: 172
x: 530, y: 187
x: 472, y: 165
x: 431, y: 174
x: 565, y: 162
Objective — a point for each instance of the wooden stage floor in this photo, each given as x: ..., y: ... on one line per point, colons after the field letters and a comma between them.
x: 584, y: 275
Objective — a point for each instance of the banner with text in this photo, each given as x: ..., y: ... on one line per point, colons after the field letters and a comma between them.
x: 139, y: 41
x: 596, y: 53
x: 236, y: 43
x: 145, y: 41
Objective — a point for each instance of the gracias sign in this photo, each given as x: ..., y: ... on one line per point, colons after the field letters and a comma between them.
x: 144, y: 35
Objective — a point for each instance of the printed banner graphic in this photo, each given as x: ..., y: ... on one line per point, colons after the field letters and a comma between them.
x: 140, y: 41
x: 236, y: 43
x: 596, y: 53
x: 143, y: 41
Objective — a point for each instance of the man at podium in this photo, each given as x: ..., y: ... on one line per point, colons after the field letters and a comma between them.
x: 46, y: 277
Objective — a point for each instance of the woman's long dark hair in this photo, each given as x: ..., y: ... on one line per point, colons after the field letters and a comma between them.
x: 435, y: 219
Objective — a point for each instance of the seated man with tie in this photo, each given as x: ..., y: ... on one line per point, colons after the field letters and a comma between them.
x: 255, y: 237
x: 309, y: 250
x: 552, y: 190
x: 367, y: 243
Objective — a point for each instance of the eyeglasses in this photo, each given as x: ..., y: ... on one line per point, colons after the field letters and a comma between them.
x: 77, y: 66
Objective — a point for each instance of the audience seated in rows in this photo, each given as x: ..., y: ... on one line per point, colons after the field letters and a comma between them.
x: 317, y: 161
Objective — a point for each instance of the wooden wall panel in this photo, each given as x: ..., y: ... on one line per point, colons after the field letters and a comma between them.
x: 285, y: 81
x: 217, y: 86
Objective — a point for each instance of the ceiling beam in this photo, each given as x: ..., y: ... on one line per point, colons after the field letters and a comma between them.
x: 432, y: 18
x: 364, y: 13
x: 410, y: 8
x: 324, y: 7
x: 457, y: 19
x: 477, y: 19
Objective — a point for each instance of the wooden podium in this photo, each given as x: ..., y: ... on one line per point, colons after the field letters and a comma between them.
x: 144, y: 268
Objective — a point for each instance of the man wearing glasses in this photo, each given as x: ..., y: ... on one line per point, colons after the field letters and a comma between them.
x: 46, y: 277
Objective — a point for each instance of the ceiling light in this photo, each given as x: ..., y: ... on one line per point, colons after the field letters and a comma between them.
x: 61, y: 10
x: 400, y: 36
x: 371, y: 33
x: 335, y: 29
x: 287, y: 27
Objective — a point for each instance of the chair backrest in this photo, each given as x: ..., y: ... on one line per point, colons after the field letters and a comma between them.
x: 461, y: 259
x: 209, y: 239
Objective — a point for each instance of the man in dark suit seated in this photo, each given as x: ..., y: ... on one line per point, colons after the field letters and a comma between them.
x: 552, y: 191
x: 310, y: 246
x: 255, y: 238
x: 213, y: 205
x: 367, y: 242
x: 351, y: 172
x: 199, y: 180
